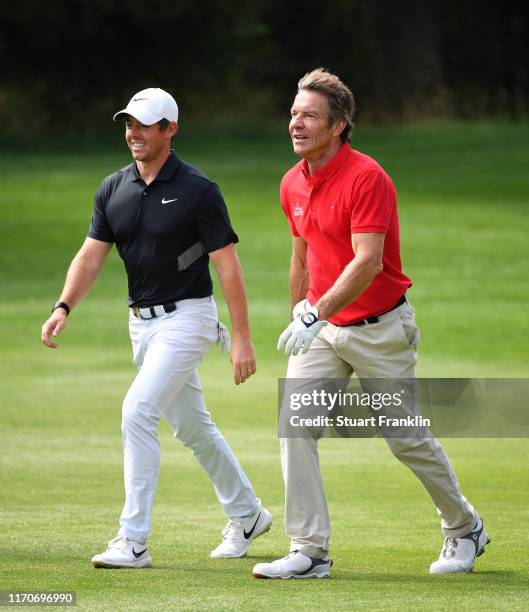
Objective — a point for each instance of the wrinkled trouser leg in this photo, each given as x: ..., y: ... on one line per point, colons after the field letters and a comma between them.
x: 167, y: 352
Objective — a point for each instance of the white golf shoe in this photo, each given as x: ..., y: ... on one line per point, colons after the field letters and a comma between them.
x: 123, y: 553
x: 240, y: 532
x: 294, y: 565
x: 459, y: 554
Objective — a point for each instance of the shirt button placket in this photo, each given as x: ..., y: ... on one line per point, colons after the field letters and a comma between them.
x: 139, y: 214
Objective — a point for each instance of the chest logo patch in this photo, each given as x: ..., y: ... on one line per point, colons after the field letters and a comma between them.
x: 164, y: 201
x: 298, y: 210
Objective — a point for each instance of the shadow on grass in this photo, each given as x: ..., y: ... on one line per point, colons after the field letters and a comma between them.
x: 491, y: 577
x: 242, y: 567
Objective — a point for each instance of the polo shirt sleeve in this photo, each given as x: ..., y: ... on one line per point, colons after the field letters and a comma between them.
x: 373, y: 203
x: 213, y: 221
x: 99, y: 228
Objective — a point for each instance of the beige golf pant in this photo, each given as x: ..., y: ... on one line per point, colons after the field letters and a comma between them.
x: 387, y: 349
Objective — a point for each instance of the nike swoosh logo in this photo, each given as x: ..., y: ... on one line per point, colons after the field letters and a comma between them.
x: 164, y: 201
x: 138, y: 554
x: 248, y: 534
x: 138, y: 99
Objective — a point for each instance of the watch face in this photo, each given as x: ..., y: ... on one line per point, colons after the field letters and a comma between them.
x: 308, y: 319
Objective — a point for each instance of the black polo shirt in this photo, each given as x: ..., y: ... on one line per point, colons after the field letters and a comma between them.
x: 163, y: 231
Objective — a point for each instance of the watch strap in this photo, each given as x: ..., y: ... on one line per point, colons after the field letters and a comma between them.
x: 61, y: 305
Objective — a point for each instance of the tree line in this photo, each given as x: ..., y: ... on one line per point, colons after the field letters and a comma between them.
x: 67, y: 64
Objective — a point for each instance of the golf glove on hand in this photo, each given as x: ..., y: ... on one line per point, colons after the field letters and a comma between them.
x: 223, y: 338
x: 298, y: 336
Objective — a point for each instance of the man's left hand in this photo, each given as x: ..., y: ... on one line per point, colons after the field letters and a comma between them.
x: 298, y: 336
x: 242, y: 359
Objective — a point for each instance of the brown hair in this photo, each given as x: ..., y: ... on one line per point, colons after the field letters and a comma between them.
x: 340, y: 99
x: 163, y: 124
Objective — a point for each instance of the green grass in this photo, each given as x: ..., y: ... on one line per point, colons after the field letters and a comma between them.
x: 463, y: 204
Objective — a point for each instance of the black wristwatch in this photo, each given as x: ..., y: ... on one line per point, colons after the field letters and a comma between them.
x: 61, y: 305
x: 310, y: 317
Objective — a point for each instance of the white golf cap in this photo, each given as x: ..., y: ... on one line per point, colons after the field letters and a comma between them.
x: 150, y: 105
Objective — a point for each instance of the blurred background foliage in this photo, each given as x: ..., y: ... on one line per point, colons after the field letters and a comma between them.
x: 67, y: 65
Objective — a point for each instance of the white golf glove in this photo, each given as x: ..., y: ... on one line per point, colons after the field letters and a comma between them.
x: 223, y: 338
x: 298, y: 336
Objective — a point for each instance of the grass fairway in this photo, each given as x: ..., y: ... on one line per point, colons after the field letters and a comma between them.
x: 463, y: 202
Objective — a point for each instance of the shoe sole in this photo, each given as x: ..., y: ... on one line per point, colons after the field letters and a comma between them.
x: 294, y: 576
x: 105, y: 565
x: 317, y: 572
x: 322, y: 573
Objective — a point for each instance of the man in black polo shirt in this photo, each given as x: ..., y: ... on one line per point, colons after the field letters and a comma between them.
x: 167, y: 220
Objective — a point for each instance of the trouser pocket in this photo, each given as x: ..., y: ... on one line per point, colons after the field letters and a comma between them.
x: 411, y: 331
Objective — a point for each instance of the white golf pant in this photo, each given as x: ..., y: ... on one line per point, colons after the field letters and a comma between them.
x: 387, y: 349
x: 167, y: 351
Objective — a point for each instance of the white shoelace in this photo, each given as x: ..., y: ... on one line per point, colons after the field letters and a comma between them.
x: 233, y: 531
x: 450, y: 546
x: 120, y: 543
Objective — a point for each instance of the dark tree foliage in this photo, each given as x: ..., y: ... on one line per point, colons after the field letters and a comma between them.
x: 72, y: 63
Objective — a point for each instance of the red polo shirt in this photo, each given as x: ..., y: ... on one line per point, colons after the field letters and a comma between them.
x: 350, y: 194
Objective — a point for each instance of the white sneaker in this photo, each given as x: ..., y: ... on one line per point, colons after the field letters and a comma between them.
x: 294, y: 565
x: 458, y: 554
x: 239, y: 532
x: 123, y: 552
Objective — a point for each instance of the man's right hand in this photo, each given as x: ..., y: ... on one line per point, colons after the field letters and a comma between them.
x: 53, y: 327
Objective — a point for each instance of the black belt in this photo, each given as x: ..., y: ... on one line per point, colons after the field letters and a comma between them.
x: 149, y: 312
x: 376, y: 319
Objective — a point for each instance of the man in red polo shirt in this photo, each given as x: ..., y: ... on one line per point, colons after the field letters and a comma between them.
x: 351, y: 314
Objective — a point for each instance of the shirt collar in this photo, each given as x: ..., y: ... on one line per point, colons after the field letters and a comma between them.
x: 325, y: 172
x: 166, y: 171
